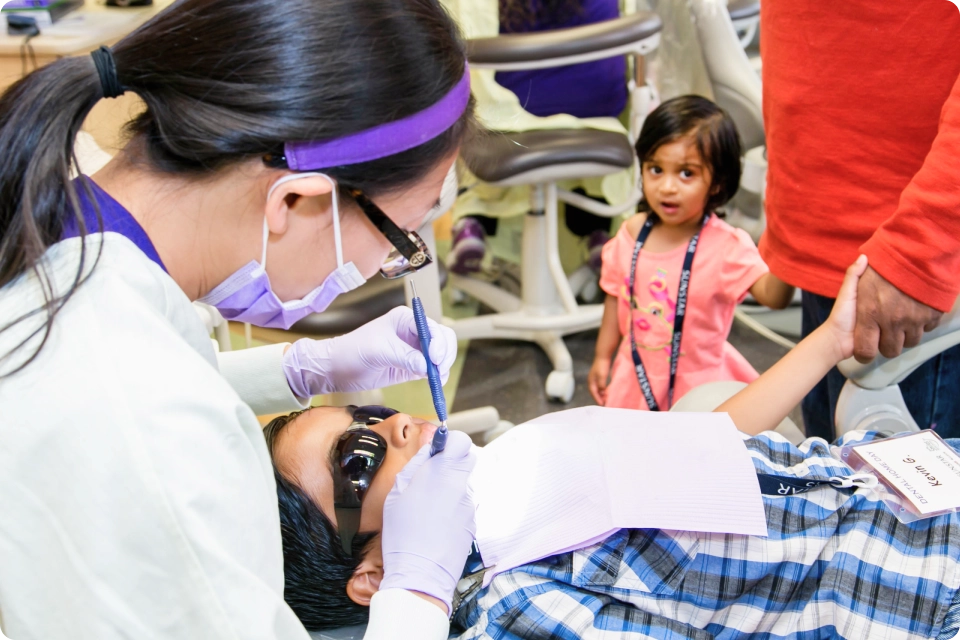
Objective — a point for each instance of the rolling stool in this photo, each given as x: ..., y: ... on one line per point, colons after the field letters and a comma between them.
x: 547, y: 309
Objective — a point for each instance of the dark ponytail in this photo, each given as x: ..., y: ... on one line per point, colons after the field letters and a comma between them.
x: 40, y: 117
x: 225, y: 82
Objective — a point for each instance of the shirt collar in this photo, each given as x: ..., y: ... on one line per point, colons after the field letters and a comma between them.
x: 115, y: 217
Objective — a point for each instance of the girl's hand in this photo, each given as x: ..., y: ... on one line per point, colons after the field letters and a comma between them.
x: 597, y: 380
x: 843, y: 318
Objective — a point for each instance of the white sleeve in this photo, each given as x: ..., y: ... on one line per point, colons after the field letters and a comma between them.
x: 142, y: 503
x: 397, y: 614
x: 257, y: 376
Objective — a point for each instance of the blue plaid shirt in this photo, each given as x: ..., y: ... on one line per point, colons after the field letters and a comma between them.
x: 836, y: 563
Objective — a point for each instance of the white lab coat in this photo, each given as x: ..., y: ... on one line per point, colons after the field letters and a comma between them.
x: 137, y: 497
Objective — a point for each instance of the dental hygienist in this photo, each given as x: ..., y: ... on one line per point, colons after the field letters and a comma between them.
x: 286, y: 149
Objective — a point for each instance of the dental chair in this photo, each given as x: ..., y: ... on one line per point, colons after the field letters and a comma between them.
x: 738, y: 90
x: 346, y: 633
x: 711, y: 395
x: 745, y: 15
x: 547, y: 309
x: 871, y: 398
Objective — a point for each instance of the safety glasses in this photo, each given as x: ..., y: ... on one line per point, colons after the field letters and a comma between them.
x: 359, y: 453
x: 409, y: 253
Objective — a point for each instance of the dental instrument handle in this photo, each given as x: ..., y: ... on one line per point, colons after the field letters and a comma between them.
x: 439, y: 442
x: 433, y: 374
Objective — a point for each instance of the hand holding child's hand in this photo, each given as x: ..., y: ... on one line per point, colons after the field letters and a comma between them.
x: 597, y: 380
x: 843, y: 318
x: 888, y: 319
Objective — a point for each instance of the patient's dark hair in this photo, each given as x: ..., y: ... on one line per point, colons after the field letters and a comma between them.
x: 224, y: 82
x: 315, y: 568
x: 713, y: 131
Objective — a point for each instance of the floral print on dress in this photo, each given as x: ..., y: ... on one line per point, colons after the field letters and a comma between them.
x: 653, y: 323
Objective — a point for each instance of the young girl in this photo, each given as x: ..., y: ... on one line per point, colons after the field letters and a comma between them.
x: 675, y: 272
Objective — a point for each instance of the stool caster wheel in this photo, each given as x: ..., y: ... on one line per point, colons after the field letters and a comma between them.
x: 590, y: 290
x: 560, y: 386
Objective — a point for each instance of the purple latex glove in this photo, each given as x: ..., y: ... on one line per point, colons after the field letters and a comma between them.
x: 428, y: 521
x: 381, y: 353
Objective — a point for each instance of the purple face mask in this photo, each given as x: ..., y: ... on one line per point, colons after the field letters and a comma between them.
x: 246, y: 296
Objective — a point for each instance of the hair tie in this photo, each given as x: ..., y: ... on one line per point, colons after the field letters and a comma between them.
x: 107, y: 70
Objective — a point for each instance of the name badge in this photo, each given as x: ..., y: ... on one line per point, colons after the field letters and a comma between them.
x: 919, y: 473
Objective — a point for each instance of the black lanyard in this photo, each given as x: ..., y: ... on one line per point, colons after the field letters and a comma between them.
x: 774, y: 485
x: 679, y: 314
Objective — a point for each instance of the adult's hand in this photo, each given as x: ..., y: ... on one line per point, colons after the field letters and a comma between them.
x: 383, y: 352
x: 888, y: 319
x: 428, y: 521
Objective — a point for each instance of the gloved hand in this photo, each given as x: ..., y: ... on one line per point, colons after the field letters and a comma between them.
x: 381, y: 353
x: 428, y: 521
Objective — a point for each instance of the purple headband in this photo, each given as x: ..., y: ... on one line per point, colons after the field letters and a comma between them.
x: 383, y: 140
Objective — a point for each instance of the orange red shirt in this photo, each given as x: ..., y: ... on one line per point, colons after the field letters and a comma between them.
x: 862, y: 117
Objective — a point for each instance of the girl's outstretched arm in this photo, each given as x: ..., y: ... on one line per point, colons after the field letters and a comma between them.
x: 769, y: 398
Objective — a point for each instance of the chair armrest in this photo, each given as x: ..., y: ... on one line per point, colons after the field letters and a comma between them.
x: 742, y: 10
x: 637, y: 33
x: 883, y: 372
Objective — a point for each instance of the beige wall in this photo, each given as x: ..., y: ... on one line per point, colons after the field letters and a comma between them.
x: 104, y: 122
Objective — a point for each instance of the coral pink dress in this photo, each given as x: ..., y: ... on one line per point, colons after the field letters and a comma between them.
x: 726, y: 265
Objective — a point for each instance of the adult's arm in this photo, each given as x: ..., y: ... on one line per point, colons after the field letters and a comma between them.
x: 381, y: 353
x: 398, y: 614
x: 915, y: 254
x: 258, y: 377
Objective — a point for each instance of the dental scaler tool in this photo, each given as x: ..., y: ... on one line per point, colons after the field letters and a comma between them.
x: 433, y: 374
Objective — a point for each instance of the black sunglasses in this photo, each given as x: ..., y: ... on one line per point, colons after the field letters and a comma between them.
x: 359, y: 453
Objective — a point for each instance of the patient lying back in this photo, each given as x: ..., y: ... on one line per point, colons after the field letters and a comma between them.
x: 835, y: 563
x: 325, y: 586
